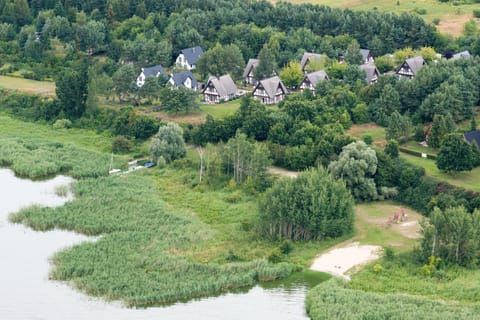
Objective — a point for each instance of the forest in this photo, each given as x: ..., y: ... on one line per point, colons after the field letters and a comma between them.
x: 217, y: 163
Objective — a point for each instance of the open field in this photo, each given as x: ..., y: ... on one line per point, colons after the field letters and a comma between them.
x: 452, y: 18
x: 468, y: 179
x: 28, y: 86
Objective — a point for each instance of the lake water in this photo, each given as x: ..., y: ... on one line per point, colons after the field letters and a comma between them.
x: 26, y: 293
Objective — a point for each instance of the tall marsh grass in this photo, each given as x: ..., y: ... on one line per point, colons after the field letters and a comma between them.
x: 37, y: 158
x: 139, y: 258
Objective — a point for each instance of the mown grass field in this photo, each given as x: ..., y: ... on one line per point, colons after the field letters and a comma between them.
x: 27, y: 86
x: 452, y: 18
x: 467, y: 179
x: 359, y: 131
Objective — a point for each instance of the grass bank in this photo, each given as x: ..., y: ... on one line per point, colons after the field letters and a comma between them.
x: 46, y: 88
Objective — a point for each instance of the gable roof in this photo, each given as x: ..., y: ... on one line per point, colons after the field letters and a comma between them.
x: 365, y: 53
x: 251, y: 64
x: 179, y: 78
x: 370, y: 70
x: 416, y: 63
x: 316, y: 77
x: 473, y: 136
x: 271, y: 85
x: 224, y: 85
x: 464, y: 54
x: 154, y: 71
x: 307, y: 56
x: 192, y: 54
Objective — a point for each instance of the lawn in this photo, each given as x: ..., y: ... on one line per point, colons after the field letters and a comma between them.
x: 86, y: 139
x: 415, y: 146
x: 221, y: 110
x: 27, y: 86
x: 452, y: 18
x: 359, y: 131
x: 469, y: 179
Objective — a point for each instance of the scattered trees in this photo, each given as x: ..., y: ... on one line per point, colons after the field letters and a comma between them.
x: 312, y: 206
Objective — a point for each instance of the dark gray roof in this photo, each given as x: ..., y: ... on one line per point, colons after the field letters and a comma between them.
x: 416, y: 63
x: 365, y: 53
x: 252, y: 64
x: 464, y: 54
x: 370, y: 70
x: 224, y: 85
x: 192, y: 54
x: 179, y: 79
x: 271, y: 85
x: 154, y: 71
x: 316, y: 77
x: 307, y: 56
x: 473, y: 136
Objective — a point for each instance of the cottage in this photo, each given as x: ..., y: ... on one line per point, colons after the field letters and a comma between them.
x: 410, y: 67
x: 154, y: 71
x: 472, y: 136
x: 367, y: 56
x: 371, y: 72
x: 270, y: 91
x: 311, y: 80
x: 188, y: 57
x: 184, y: 79
x: 220, y: 89
x: 248, y: 72
x: 309, y: 57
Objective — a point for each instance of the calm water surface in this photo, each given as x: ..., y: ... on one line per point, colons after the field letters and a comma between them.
x: 26, y: 293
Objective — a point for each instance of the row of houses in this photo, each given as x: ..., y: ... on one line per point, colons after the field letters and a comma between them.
x: 270, y: 90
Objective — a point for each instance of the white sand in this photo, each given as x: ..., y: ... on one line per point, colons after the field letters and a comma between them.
x: 338, y: 261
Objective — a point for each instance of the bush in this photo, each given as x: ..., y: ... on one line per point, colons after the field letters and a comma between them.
x: 62, y: 124
x: 476, y: 13
x: 368, y: 140
x: 420, y: 11
x: 121, y: 145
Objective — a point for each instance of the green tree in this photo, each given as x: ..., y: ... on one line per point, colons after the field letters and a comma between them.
x: 72, y: 90
x: 168, y: 143
x: 267, y: 65
x: 291, y: 74
x: 357, y: 165
x: 391, y: 148
x: 312, y: 206
x: 438, y: 131
x: 150, y: 89
x: 353, y: 55
x: 455, y: 154
x: 385, y: 105
x: 398, y: 127
x: 221, y: 60
x: 123, y: 81
x: 179, y: 100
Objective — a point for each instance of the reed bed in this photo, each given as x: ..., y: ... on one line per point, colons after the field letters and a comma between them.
x: 39, y: 158
x: 138, y: 259
x: 333, y: 300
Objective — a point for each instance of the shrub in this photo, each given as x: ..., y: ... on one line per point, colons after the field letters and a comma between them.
x: 476, y: 13
x: 62, y: 124
x: 121, y: 145
x: 368, y: 140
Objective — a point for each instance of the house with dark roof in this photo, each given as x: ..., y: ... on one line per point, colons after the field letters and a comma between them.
x: 188, y: 57
x: 270, y: 90
x: 184, y: 79
x: 154, y: 71
x: 472, y: 136
x: 248, y: 72
x: 310, y: 57
x: 410, y: 67
x: 367, y: 56
x: 311, y: 80
x: 371, y: 72
x: 462, y: 55
x: 219, y: 89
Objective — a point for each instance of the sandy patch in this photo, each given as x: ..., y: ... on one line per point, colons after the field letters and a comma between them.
x: 340, y: 260
x: 283, y: 172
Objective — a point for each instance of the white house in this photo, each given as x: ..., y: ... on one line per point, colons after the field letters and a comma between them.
x: 410, y: 67
x: 371, y: 72
x: 188, y: 57
x: 311, y: 80
x: 184, y: 79
x: 248, y: 72
x: 154, y: 71
x: 270, y: 91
